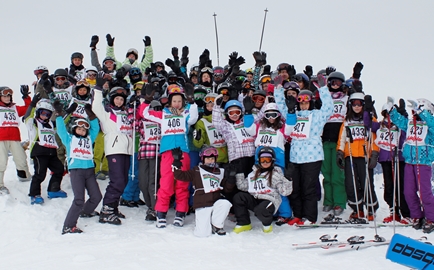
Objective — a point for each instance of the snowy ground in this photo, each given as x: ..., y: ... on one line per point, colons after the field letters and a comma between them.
x: 31, y: 239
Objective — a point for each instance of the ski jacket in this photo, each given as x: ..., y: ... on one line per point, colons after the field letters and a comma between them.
x: 306, y: 144
x: 174, y: 137
x: 424, y: 152
x: 333, y: 125
x: 68, y: 140
x: 117, y: 129
x: 36, y: 148
x: 200, y: 198
x: 207, y: 129
x: 10, y: 120
x: 145, y: 63
x: 360, y: 139
x: 279, y: 186
x: 239, y: 144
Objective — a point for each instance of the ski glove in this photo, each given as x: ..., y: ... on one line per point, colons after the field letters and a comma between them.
x: 230, y: 173
x: 175, y: 53
x: 58, y: 108
x: 369, y: 104
x: 184, y: 57
x: 197, y: 134
x: 290, y: 104
x: 90, y: 114
x: 219, y: 100
x: 24, y: 89
x: 189, y: 91
x: 330, y: 69
x: 415, y: 106
x: 357, y: 86
x: 71, y: 108
x: 340, y: 159
x: 308, y: 70
x: 373, y: 160
x: 147, y: 41
x: 177, y: 157
x: 93, y: 41
x: 401, y: 108
x: 277, y: 80
x: 357, y: 70
x: 110, y: 40
x: 321, y: 80
x: 248, y: 105
x: 35, y: 99
x: 258, y: 58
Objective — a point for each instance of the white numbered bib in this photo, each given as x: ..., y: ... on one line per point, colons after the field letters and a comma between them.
x: 79, y: 112
x: 387, y: 139
x: 46, y: 136
x: 242, y: 135
x: 210, y: 181
x: 123, y: 124
x: 258, y: 185
x: 267, y: 137
x: 81, y: 148
x: 152, y: 132
x: 9, y: 117
x: 172, y: 124
x: 416, y: 134
x: 301, y: 130
x: 63, y: 94
x: 339, y: 110
x: 357, y: 130
x: 214, y: 136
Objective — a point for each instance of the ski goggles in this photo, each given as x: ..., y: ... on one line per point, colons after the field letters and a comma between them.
x: 39, y: 71
x: 82, y: 83
x: 109, y: 62
x: 258, y: 98
x: 120, y: 91
x: 224, y: 92
x: 265, y: 159
x: 266, y: 80
x: 173, y: 80
x: 357, y: 103
x: 46, y: 113
x: 175, y: 89
x: 218, y: 75
x: 164, y: 100
x: 199, y: 96
x: 138, y: 86
x: 82, y: 123
x: 336, y: 82
x: 210, y: 152
x: 60, y: 78
x: 6, y: 92
x: 247, y: 85
x: 209, y: 99
x: 291, y: 86
x: 91, y: 74
x: 304, y: 98
x: 207, y: 69
x: 134, y: 72
x: 234, y: 112
x: 272, y: 115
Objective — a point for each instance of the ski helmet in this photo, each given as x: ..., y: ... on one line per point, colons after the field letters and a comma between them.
x: 108, y: 58
x: 232, y: 103
x: 271, y: 107
x: 174, y: 89
x: 291, y: 86
x: 259, y: 92
x: 133, y: 51
x: 92, y: 68
x: 77, y: 86
x: 159, y: 64
x: 77, y: 55
x: 210, y: 97
x: 155, y: 105
x: 203, y: 71
x: 43, y: 104
x: 224, y: 86
x: 336, y: 75
x: 81, y: 122
x: 199, y: 92
x: 249, y: 71
x: 60, y: 72
x: 303, y: 96
x: 282, y: 66
x: 118, y: 92
x: 218, y: 72
x: 357, y: 95
x: 6, y: 91
x: 301, y: 77
x: 40, y: 69
x: 208, y: 151
x: 427, y: 105
x: 265, y: 152
x: 265, y: 79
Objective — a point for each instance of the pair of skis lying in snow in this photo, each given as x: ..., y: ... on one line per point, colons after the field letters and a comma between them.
x: 335, y: 222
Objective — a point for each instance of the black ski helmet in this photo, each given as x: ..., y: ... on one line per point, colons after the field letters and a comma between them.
x: 77, y: 55
x: 266, y: 151
x: 60, y: 72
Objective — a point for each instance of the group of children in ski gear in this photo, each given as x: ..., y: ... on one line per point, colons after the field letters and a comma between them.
x: 220, y: 140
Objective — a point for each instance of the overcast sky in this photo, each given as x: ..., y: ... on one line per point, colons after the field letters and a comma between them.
x: 392, y: 38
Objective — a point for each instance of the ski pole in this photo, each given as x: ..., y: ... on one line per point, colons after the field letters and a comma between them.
x: 134, y: 142
x: 156, y: 170
x: 216, y: 38
x: 349, y: 140
x: 392, y: 162
x: 368, y: 178
x: 263, y: 27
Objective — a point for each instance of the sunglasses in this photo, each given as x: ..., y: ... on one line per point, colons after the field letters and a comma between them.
x: 258, y: 98
x: 45, y: 113
x: 266, y: 80
x: 60, y: 78
x: 304, y: 98
x: 91, y: 74
x: 83, y: 82
x: 357, y: 103
x: 265, y: 159
x: 209, y: 99
x: 234, y: 112
x: 291, y: 85
x: 83, y: 124
x: 272, y: 115
x: 6, y: 92
x: 336, y: 82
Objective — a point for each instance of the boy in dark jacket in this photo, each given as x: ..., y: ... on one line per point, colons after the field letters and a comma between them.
x: 208, y: 180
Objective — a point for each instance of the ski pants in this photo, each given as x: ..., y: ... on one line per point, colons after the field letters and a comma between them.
x: 334, y: 178
x: 419, y: 179
x: 363, y: 196
x: 213, y: 215
x: 82, y: 180
x: 132, y: 190
x: 41, y: 164
x: 147, y: 181
x: 119, y: 165
x: 169, y: 185
x: 99, y: 158
x: 401, y: 206
x: 304, y: 194
x: 19, y: 156
x: 244, y: 165
x: 263, y: 209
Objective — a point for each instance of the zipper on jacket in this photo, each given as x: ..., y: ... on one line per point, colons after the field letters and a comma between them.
x: 115, y: 141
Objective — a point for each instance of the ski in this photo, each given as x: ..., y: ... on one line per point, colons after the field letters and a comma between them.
x: 325, y: 239
x: 335, y: 225
x: 357, y: 243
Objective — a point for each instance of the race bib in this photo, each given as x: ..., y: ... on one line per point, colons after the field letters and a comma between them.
x: 267, y: 137
x: 242, y: 135
x: 79, y: 112
x: 173, y: 124
x: 9, y: 117
x: 416, y: 134
x: 301, y: 130
x: 46, y: 136
x: 339, y: 110
x: 152, y: 132
x: 123, y: 124
x: 214, y: 136
x: 81, y: 148
x: 357, y: 131
x: 387, y: 139
x: 210, y: 181
x: 258, y: 185
x: 63, y: 94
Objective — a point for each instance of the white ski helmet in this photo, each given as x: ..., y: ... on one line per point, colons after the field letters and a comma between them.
x: 427, y: 105
x: 92, y: 68
x: 44, y: 104
x: 271, y: 107
x: 357, y: 95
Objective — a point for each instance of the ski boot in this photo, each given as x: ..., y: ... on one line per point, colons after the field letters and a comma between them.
x: 109, y: 216
x: 74, y: 229
x: 179, y: 219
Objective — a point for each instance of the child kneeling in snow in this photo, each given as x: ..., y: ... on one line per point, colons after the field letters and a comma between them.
x: 80, y: 165
x: 211, y: 209
x: 262, y: 189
